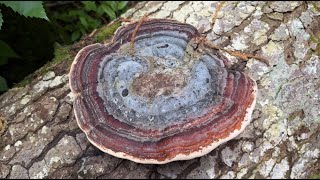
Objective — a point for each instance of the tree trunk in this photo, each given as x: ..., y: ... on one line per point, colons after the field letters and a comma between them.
x: 41, y: 139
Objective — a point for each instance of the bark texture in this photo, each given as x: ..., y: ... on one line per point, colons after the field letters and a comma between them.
x: 39, y: 136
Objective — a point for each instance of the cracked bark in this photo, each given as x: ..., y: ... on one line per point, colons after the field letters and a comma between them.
x: 39, y: 136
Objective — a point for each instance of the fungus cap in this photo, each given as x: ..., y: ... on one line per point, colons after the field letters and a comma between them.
x: 171, y: 100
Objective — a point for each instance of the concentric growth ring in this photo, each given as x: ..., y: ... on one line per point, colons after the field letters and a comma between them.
x: 170, y: 101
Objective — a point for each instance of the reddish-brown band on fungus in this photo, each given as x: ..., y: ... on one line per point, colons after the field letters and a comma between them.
x: 188, y: 101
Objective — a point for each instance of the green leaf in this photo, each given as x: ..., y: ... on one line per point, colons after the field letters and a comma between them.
x: 6, y: 51
x: 75, y: 36
x: 27, y: 8
x: 89, y: 5
x: 83, y: 31
x: 74, y: 13
x: 84, y: 22
x: 3, y: 84
x: 64, y: 17
x: 122, y: 4
x: 109, y: 11
x: 112, y: 4
x: 1, y: 20
x: 100, y: 11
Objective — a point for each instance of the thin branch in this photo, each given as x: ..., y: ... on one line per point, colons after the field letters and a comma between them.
x: 93, y: 33
x: 240, y: 55
x: 121, y: 19
x: 218, y: 8
x: 134, y: 34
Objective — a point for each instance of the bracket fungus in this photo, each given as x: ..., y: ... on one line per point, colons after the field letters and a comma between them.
x: 172, y: 99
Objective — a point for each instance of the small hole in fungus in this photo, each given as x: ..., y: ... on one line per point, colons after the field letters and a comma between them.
x: 207, y: 80
x: 125, y: 92
x: 164, y: 46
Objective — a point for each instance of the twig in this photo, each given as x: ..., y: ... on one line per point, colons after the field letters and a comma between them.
x: 124, y: 19
x: 134, y: 34
x: 233, y: 53
x: 218, y: 8
x: 93, y: 33
x: 104, y: 20
x: 243, y: 56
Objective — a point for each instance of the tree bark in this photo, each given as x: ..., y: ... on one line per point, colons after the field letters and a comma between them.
x: 41, y: 139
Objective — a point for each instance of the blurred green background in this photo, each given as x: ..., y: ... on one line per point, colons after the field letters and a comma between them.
x: 30, y: 31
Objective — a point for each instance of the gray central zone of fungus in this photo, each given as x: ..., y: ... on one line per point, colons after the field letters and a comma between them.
x: 161, y: 84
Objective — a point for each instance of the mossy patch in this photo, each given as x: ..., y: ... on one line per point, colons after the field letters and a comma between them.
x: 107, y: 31
x: 2, y: 124
x: 61, y: 53
x: 24, y: 82
x: 315, y: 176
x: 315, y: 6
x: 298, y: 113
x: 316, y: 39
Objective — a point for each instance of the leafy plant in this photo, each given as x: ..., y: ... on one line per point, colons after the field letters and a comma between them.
x: 27, y: 9
x: 88, y: 15
x: 65, y: 24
